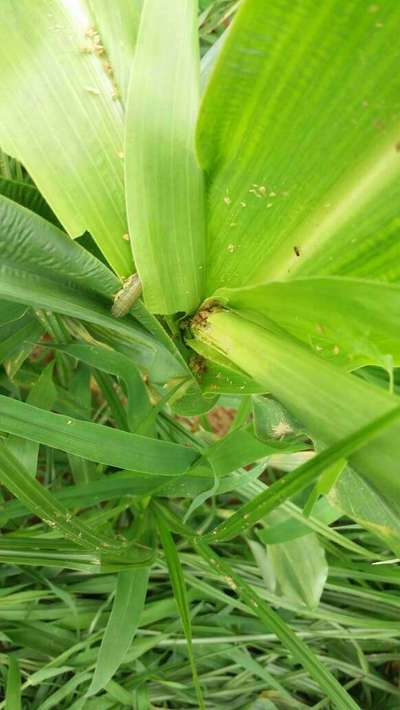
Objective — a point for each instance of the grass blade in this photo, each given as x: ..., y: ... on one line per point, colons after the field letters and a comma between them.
x: 13, y: 693
x: 124, y: 483
x: 179, y: 589
x: 295, y: 481
x: 44, y: 552
x: 41, y: 502
x: 28, y: 196
x: 43, y: 394
x: 115, y: 363
x: 94, y: 441
x: 41, y: 267
x: 274, y: 622
x: 26, y: 238
x: 124, y: 618
x: 17, y: 339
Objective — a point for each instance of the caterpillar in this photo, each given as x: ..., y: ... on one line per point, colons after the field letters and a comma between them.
x: 127, y: 296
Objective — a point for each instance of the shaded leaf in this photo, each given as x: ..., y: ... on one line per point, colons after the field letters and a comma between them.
x: 138, y: 405
x: 41, y: 266
x: 41, y: 502
x: 362, y: 501
x: 18, y: 338
x: 299, y: 565
x: 28, y: 196
x: 26, y: 240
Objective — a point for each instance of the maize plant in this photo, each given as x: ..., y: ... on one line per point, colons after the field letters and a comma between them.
x: 199, y: 338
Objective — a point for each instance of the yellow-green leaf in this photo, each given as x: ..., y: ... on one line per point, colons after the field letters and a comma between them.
x: 350, y: 322
x: 299, y: 133
x: 58, y: 116
x: 164, y: 184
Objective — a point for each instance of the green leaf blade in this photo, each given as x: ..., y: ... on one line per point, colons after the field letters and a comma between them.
x: 48, y: 58
x: 164, y: 184
x: 13, y: 693
x: 180, y: 593
x: 298, y: 479
x: 118, y: 25
x: 349, y: 322
x: 28, y: 240
x: 95, y: 442
x: 301, y: 153
x: 300, y: 567
x: 332, y: 404
x: 124, y: 618
x: 275, y: 623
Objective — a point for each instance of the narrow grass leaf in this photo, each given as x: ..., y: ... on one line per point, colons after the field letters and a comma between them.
x: 118, y: 693
x: 128, y: 483
x: 13, y: 692
x: 295, y: 481
x: 202, y: 497
x: 43, y: 394
x: 360, y: 500
x: 41, y: 502
x: 111, y: 396
x: 301, y: 652
x: 246, y: 661
x: 28, y: 196
x: 164, y: 184
x: 26, y: 288
x: 180, y: 593
x: 41, y: 552
x: 10, y: 313
x: 115, y: 363
x: 43, y: 268
x: 26, y: 239
x: 324, y: 484
x: 94, y: 441
x: 66, y: 689
x: 121, y: 627
x: 142, y: 699
x: 17, y: 339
